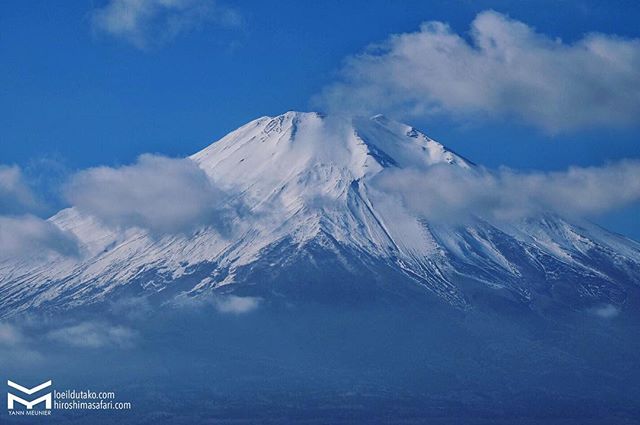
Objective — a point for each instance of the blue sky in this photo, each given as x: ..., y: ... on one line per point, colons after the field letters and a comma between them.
x: 74, y: 95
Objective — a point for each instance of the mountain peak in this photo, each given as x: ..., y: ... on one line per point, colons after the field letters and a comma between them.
x: 299, y: 157
x: 295, y: 142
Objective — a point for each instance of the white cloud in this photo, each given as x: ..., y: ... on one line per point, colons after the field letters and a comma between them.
x: 94, y: 335
x: 163, y: 195
x: 506, y: 70
x: 16, y: 197
x: 147, y: 23
x: 236, y: 305
x: 33, y: 236
x: 450, y: 194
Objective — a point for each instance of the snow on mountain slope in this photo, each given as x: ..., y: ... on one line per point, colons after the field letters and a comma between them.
x: 302, y: 184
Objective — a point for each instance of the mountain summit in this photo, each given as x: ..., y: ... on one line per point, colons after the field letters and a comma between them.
x: 307, y: 218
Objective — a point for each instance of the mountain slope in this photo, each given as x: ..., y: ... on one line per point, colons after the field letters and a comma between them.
x: 301, y: 188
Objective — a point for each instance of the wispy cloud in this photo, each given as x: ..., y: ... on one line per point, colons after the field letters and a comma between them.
x: 94, y: 335
x: 449, y: 194
x: 16, y: 197
x: 234, y: 304
x: 163, y: 195
x: 505, y: 70
x: 131, y: 308
x: 149, y: 23
x: 21, y: 232
x: 33, y: 236
x: 607, y: 311
x: 10, y: 335
x: 15, y: 347
x: 225, y: 304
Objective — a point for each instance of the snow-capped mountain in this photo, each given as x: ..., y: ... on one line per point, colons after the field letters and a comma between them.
x: 308, y: 216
